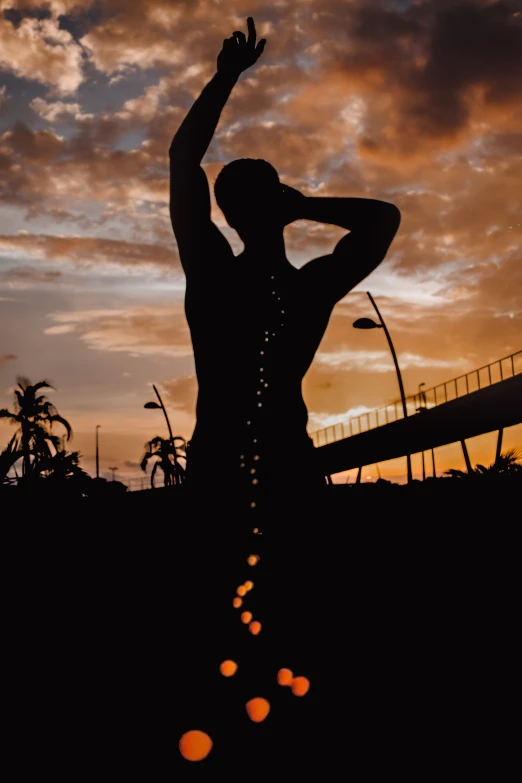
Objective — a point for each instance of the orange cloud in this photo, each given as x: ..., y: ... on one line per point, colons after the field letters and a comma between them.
x: 136, y: 331
x: 40, y: 50
x: 89, y: 250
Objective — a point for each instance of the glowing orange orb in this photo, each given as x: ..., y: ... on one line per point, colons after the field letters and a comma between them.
x: 256, y: 530
x: 253, y: 560
x: 257, y: 709
x: 254, y: 627
x: 236, y: 603
x: 195, y: 745
x: 241, y: 590
x: 300, y: 686
x: 228, y: 668
x: 246, y: 617
x: 285, y: 676
x: 249, y: 585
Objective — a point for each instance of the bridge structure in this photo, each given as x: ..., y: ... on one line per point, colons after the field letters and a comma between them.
x: 485, y: 400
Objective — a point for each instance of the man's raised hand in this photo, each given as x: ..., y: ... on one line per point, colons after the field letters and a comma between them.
x: 238, y: 52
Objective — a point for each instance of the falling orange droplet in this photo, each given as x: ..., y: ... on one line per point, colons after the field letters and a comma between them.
x: 246, y: 617
x: 236, y: 603
x: 252, y: 560
x: 257, y: 709
x: 300, y: 686
x: 195, y: 745
x: 254, y: 627
x: 285, y: 676
x: 249, y: 585
x: 241, y: 590
x: 228, y: 668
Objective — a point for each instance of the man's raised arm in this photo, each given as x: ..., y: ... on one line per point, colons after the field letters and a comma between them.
x: 197, y: 236
x: 194, y: 135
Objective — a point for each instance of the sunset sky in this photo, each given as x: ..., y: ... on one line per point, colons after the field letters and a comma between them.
x: 417, y: 102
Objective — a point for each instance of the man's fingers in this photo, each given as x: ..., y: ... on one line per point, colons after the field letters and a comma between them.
x: 260, y: 47
x: 251, y: 31
x: 241, y: 37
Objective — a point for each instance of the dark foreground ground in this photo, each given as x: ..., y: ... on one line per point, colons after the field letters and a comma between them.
x: 400, y: 605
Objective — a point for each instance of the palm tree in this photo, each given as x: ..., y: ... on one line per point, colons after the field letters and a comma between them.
x: 11, y: 454
x: 508, y: 464
x: 35, y: 415
x: 61, y: 466
x: 62, y: 472
x: 166, y: 455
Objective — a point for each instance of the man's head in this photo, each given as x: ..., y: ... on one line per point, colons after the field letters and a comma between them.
x: 248, y: 192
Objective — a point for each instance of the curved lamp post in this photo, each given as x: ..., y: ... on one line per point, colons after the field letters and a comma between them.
x: 367, y: 323
x: 155, y: 405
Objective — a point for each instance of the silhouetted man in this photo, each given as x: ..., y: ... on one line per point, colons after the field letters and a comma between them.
x: 255, y: 320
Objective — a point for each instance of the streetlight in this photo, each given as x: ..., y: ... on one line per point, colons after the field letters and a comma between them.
x: 155, y: 405
x: 113, y: 472
x: 97, y: 453
x: 367, y: 323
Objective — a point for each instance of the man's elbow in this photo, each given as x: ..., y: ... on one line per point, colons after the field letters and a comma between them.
x: 179, y: 150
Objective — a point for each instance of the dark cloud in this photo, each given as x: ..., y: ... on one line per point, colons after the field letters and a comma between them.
x: 441, y: 63
x: 5, y: 358
x: 29, y: 275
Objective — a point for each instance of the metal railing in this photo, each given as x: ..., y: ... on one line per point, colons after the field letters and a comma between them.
x: 460, y: 386
x: 133, y: 484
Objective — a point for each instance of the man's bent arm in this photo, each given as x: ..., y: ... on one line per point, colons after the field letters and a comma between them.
x: 349, y: 213
x: 372, y: 225
x: 195, y: 133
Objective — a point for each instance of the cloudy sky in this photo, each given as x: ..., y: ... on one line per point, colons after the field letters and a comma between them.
x: 417, y: 102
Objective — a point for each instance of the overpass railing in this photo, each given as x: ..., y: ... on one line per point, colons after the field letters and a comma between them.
x: 495, y: 372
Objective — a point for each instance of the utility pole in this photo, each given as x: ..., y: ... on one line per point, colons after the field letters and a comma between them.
x: 97, y: 453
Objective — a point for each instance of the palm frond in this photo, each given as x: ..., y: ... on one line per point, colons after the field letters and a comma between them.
x: 43, y: 385
x: 60, y: 420
x: 5, y: 414
x: 11, y: 454
x: 23, y: 382
x: 144, y: 461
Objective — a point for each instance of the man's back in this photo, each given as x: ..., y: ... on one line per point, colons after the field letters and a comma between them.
x: 254, y: 335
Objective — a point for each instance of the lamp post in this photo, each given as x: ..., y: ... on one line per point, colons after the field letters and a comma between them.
x: 97, y: 453
x: 155, y: 405
x: 113, y: 472
x: 367, y: 323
